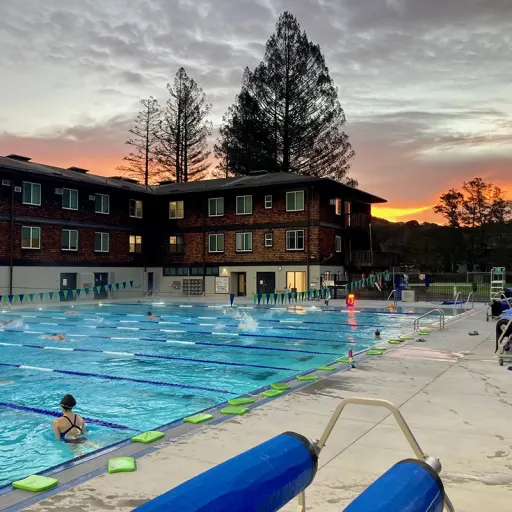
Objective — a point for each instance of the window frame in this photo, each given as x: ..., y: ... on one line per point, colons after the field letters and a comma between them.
x: 337, y: 244
x: 135, y: 209
x: 177, y: 245
x: 99, y: 195
x: 296, y: 238
x: 31, y: 238
x: 177, y: 209
x: 211, y: 236
x: 295, y: 192
x: 32, y: 184
x: 236, y: 206
x: 243, y: 234
x: 102, y: 233
x: 135, y: 244
x: 68, y: 248
x: 210, y: 202
x: 265, y: 240
x: 338, y: 210
x: 70, y: 201
x: 266, y: 202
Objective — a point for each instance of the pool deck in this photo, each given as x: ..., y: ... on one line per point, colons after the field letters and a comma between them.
x: 450, y: 390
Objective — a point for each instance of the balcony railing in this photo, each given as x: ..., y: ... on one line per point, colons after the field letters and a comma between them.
x: 373, y: 259
x: 357, y: 221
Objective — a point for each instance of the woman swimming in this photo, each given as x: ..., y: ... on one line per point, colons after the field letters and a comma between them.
x: 70, y: 427
x: 150, y: 316
x: 55, y: 337
x: 377, y: 334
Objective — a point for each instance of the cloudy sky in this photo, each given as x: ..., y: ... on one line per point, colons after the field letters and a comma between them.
x: 426, y: 84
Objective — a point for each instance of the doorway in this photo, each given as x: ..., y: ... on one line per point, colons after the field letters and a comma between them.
x: 101, y: 279
x: 67, y: 282
x: 266, y: 282
x: 150, y: 283
x: 242, y: 284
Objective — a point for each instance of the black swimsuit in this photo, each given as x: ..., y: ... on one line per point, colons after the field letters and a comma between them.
x: 73, y: 425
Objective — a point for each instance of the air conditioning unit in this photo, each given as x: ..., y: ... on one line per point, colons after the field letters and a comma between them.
x: 332, y: 202
x: 58, y: 191
x: 6, y: 183
x: 17, y: 189
x: 92, y: 198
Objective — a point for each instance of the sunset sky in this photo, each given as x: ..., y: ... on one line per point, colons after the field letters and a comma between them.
x: 425, y: 84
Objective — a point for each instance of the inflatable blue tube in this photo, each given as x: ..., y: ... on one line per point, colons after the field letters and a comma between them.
x: 411, y: 485
x: 262, y: 479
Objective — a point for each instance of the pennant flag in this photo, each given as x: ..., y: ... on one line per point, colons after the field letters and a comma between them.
x: 309, y: 294
x: 124, y: 284
x: 136, y: 283
x: 30, y: 296
x: 62, y: 295
x: 268, y: 298
x: 102, y: 288
x: 282, y: 298
x: 10, y: 298
x: 117, y: 288
x: 295, y: 296
x: 131, y: 284
x: 86, y: 291
x: 78, y: 292
x: 231, y: 296
x: 109, y: 287
x: 255, y: 298
x: 289, y: 297
x: 41, y: 296
x: 259, y: 298
x: 50, y: 294
x: 74, y: 293
x: 1, y: 297
x: 275, y: 298
x: 21, y: 296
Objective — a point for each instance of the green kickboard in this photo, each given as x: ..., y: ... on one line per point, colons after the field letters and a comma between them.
x: 198, y: 418
x: 326, y: 368
x: 121, y: 465
x: 35, y: 483
x: 241, y: 401
x: 237, y: 411
x: 343, y: 360
x: 407, y: 338
x: 394, y: 342
x: 271, y: 393
x: 307, y: 377
x: 381, y: 349
x: 374, y: 353
x: 148, y: 437
x: 280, y: 387
x: 421, y: 333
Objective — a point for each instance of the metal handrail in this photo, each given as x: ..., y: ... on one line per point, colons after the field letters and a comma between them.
x: 456, y: 299
x: 470, y: 296
x: 437, y: 310
x: 391, y: 294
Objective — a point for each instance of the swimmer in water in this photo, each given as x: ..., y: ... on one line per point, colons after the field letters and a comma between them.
x: 55, y: 337
x: 377, y: 334
x: 150, y: 316
x: 70, y: 427
x: 7, y: 322
x: 71, y: 312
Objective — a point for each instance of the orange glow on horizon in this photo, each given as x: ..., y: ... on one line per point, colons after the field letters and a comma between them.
x: 397, y: 214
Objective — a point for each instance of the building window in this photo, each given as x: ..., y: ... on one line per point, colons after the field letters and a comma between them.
x: 268, y: 202
x: 295, y: 201
x: 69, y: 199
x: 296, y: 281
x: 101, y: 242
x: 135, y: 244
x: 102, y: 204
x: 337, y: 206
x: 31, y: 193
x: 268, y: 240
x: 177, y: 243
x: 136, y: 208
x: 295, y: 240
x: 216, y: 207
x: 338, y: 244
x: 243, y: 205
x: 176, y: 209
x: 243, y: 242
x: 216, y: 243
x: 348, y: 213
x: 69, y: 240
x: 30, y: 237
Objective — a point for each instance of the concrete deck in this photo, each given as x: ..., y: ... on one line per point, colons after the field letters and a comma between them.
x: 450, y: 390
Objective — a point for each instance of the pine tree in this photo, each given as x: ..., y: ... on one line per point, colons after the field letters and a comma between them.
x: 140, y: 163
x: 287, y: 116
x: 183, y: 149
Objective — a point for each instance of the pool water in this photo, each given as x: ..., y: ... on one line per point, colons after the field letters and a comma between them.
x: 139, y: 374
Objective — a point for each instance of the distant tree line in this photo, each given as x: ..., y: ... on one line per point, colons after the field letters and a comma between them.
x: 478, y: 231
x: 287, y: 117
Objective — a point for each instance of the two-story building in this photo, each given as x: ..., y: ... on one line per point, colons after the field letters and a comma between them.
x: 66, y: 229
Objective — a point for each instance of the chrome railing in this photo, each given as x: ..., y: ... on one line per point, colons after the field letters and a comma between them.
x: 441, y: 318
x: 470, y: 296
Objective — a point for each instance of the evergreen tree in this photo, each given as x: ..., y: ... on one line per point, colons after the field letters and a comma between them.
x: 183, y: 149
x: 141, y: 163
x: 287, y: 116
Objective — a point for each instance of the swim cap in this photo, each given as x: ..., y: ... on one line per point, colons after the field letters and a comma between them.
x: 68, y: 402
x: 148, y: 313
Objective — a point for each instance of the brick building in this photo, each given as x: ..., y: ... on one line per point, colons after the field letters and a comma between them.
x: 66, y: 228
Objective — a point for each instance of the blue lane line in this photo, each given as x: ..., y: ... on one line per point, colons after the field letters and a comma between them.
x: 112, y: 377
x: 153, y: 356
x: 255, y: 347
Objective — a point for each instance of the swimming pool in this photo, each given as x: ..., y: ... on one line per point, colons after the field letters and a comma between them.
x: 131, y: 374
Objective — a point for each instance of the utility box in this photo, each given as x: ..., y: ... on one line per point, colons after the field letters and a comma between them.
x: 408, y: 296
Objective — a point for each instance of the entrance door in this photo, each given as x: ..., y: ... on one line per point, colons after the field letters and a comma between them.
x: 266, y: 282
x: 67, y: 282
x: 101, y: 279
x: 150, y: 282
x: 242, y: 284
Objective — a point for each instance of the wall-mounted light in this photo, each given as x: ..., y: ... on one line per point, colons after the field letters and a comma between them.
x: 224, y: 272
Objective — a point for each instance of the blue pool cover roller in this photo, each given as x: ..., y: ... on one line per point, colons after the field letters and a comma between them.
x: 409, y: 486
x: 262, y: 479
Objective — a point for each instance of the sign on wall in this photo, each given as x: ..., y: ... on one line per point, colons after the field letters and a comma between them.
x: 222, y: 285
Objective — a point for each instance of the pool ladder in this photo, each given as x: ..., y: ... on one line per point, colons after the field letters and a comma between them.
x: 416, y: 324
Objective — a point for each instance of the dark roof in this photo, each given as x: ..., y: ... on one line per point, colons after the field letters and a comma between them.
x: 214, y: 185
x: 265, y: 180
x: 72, y: 173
